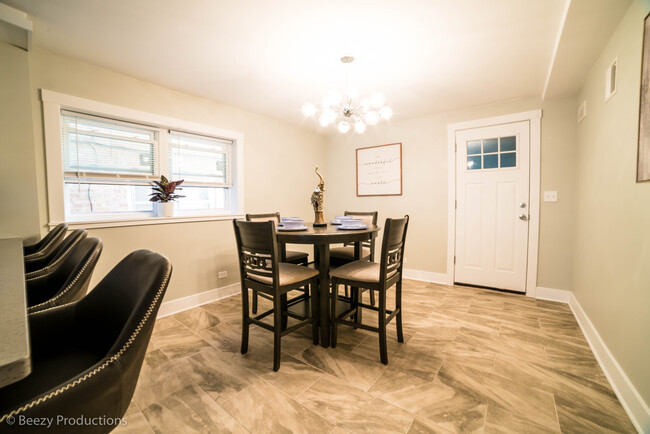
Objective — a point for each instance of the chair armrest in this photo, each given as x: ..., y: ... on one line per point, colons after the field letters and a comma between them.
x: 49, y: 328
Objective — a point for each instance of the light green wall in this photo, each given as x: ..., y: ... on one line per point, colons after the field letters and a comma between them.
x: 425, y: 182
x: 19, y: 209
x: 279, y: 162
x: 612, y: 245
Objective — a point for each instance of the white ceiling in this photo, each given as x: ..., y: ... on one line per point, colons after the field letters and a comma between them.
x: 270, y: 57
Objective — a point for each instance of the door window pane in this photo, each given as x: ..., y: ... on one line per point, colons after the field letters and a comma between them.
x: 490, y: 145
x: 491, y: 161
x: 473, y: 147
x: 509, y: 159
x: 508, y: 143
x: 474, y: 163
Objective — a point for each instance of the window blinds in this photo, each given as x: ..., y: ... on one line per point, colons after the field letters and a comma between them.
x: 200, y: 160
x: 95, y: 148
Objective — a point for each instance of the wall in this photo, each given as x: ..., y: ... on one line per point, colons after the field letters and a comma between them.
x: 279, y: 160
x: 424, y: 178
x: 19, y: 209
x: 611, y: 278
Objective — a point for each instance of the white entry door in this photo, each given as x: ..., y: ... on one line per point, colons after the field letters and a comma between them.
x: 492, y: 192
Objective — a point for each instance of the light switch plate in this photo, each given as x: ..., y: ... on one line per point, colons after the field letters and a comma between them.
x: 550, y: 196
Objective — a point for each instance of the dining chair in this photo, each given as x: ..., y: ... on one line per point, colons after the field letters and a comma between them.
x: 65, y: 281
x: 379, y: 277
x: 261, y: 271
x: 345, y: 254
x: 47, y: 243
x: 86, y: 355
x: 41, y: 263
x: 293, y: 257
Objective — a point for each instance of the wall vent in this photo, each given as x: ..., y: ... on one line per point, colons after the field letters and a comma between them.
x: 582, y: 111
x: 610, y: 80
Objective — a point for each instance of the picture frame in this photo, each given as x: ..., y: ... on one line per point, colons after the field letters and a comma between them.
x: 643, y: 161
x: 379, y: 170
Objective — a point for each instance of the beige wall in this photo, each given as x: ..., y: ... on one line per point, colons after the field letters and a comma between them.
x: 19, y: 209
x: 612, y: 248
x: 279, y: 160
x: 424, y: 177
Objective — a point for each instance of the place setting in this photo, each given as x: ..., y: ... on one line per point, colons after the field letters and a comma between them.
x: 292, y: 224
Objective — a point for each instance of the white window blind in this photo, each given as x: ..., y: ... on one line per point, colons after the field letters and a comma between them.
x: 200, y: 160
x: 95, y: 149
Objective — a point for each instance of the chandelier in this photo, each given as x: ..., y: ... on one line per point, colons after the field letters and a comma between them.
x: 346, y: 110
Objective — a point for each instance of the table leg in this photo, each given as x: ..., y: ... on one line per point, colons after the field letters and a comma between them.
x: 356, y: 292
x: 324, y: 292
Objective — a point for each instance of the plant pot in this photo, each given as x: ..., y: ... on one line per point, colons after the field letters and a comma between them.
x: 164, y: 209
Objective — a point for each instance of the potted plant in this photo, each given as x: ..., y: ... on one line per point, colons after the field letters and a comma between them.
x: 163, y: 195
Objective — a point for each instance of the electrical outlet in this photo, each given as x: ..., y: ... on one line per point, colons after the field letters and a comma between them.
x: 405, y: 260
x: 550, y: 196
x: 223, y: 274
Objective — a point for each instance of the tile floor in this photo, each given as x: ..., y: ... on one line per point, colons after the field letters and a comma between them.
x: 473, y: 360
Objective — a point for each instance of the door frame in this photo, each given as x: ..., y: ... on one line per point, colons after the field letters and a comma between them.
x: 534, y: 118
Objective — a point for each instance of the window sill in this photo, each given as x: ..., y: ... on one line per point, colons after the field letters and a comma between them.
x: 113, y: 223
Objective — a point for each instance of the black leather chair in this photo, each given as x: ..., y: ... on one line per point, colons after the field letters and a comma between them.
x: 42, y: 263
x: 293, y: 257
x: 87, y: 355
x: 375, y: 277
x: 47, y: 243
x: 65, y: 281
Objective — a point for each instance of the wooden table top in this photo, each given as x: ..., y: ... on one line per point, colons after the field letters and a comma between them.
x: 15, y: 360
x: 326, y: 235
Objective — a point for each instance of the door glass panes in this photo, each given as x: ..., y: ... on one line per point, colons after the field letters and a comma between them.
x: 474, y: 163
x: 492, y: 153
x: 473, y: 147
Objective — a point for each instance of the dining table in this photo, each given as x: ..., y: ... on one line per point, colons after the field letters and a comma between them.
x: 321, y: 237
x: 15, y: 357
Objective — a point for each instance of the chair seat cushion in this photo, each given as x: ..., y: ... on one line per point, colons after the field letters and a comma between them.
x: 293, y: 256
x: 289, y: 274
x: 361, y: 271
x: 347, y: 253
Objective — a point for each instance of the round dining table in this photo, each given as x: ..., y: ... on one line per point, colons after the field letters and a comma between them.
x: 321, y: 238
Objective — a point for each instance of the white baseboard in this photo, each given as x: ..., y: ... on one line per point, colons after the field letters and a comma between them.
x: 427, y: 276
x: 180, y: 304
x: 552, y: 294
x: 632, y: 402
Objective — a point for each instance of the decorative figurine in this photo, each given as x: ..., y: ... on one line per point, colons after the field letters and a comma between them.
x: 317, y: 201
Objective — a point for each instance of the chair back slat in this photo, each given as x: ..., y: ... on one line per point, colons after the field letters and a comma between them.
x: 392, y: 248
x: 274, y: 216
x: 258, y: 249
x: 369, y: 218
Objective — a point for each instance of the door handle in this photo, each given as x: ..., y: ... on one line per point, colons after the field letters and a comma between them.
x: 523, y: 217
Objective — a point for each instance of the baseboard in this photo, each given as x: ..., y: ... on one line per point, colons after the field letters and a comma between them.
x: 632, y: 402
x: 180, y: 304
x: 427, y: 276
x: 552, y: 294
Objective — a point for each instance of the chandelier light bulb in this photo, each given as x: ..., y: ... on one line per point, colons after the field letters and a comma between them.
x: 334, y: 98
x: 385, y: 112
x: 325, y: 102
x: 372, y: 118
x: 353, y: 92
x: 343, y: 127
x: 327, y: 117
x: 377, y: 99
x: 309, y: 110
x: 359, y: 127
x: 364, y: 104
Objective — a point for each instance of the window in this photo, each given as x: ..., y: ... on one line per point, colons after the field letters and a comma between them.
x: 492, y: 153
x: 103, y: 158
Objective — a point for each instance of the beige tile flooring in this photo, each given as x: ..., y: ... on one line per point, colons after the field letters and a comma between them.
x: 473, y: 360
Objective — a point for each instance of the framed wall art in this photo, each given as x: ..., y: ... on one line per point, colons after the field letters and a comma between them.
x: 379, y: 170
x: 643, y: 163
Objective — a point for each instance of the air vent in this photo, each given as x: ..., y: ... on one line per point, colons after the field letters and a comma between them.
x: 582, y: 111
x: 610, y: 80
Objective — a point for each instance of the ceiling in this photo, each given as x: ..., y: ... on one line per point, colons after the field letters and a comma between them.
x: 270, y: 57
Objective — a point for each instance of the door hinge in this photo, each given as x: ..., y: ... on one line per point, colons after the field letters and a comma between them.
x: 456, y: 204
x: 455, y: 147
x: 454, y: 260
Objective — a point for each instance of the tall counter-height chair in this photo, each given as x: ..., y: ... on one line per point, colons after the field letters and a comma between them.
x: 375, y: 277
x: 262, y: 271
x: 42, y: 263
x: 87, y: 355
x: 47, y: 243
x: 65, y: 281
x: 345, y: 254
x: 293, y: 257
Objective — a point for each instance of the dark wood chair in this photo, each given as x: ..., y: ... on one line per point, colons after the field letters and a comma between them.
x: 47, y: 243
x: 262, y: 271
x: 378, y: 277
x: 345, y: 254
x: 299, y: 258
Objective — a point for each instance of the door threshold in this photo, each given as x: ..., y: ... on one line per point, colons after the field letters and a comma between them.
x: 508, y: 291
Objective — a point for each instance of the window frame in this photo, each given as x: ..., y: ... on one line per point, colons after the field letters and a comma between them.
x: 55, y: 102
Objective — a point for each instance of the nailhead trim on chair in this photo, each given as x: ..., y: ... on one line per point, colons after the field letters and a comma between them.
x: 103, y: 365
x: 28, y: 275
x: 77, y: 277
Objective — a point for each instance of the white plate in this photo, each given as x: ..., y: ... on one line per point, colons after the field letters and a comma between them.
x: 303, y: 228
x: 334, y: 222
x: 353, y: 228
